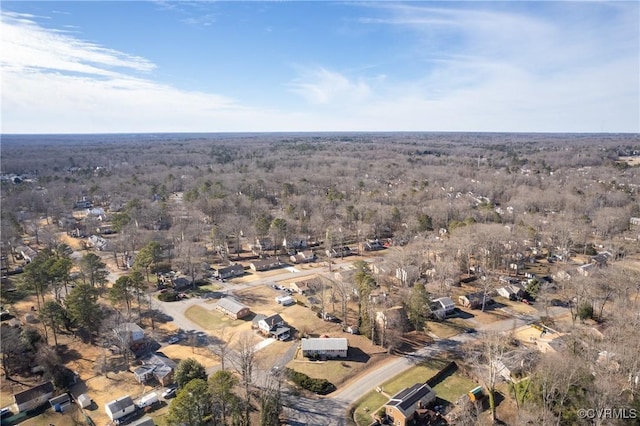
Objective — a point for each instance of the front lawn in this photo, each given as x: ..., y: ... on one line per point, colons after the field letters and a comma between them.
x: 210, y: 320
x: 450, y: 389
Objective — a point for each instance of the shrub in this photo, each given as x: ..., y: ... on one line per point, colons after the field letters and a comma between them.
x: 585, y: 311
x: 169, y: 296
x: 319, y: 386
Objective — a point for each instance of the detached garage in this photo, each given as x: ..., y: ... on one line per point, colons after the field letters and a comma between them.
x: 233, y: 308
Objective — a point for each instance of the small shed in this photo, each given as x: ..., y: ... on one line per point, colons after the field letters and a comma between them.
x: 475, y: 394
x: 84, y: 400
x: 60, y: 402
x: 285, y: 300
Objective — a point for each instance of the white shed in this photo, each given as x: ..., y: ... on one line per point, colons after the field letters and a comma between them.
x: 83, y: 400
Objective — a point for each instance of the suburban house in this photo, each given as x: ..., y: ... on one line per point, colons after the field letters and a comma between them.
x: 327, y: 347
x: 442, y: 307
x: 119, y: 407
x: 145, y: 421
x: 601, y: 259
x: 475, y: 300
x: 231, y: 271
x: 371, y: 245
x: 233, y: 308
x: 97, y: 242
x: 33, y: 398
x: 587, y: 269
x: 513, y: 291
x: 303, y: 257
x: 402, y: 408
x: 300, y: 287
x: 27, y: 253
x: 129, y: 332
x: 338, y: 252
x: 158, y: 366
x: 263, y: 244
x: 392, y: 318
x: 83, y: 204
x: 274, y: 326
x: 295, y: 243
x: 265, y: 264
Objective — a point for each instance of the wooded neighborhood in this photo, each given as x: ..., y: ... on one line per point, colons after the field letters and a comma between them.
x: 240, y: 273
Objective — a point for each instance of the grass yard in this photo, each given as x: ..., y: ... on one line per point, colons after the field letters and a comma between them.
x: 453, y: 387
x: 367, y: 406
x: 210, y: 320
x: 442, y: 329
x: 338, y: 371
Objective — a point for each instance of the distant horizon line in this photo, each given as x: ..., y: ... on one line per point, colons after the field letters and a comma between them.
x: 351, y: 132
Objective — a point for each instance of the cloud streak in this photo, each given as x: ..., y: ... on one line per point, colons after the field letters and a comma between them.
x: 459, y: 68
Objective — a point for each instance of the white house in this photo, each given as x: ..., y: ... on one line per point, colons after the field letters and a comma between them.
x: 129, y: 332
x: 443, y: 306
x: 34, y: 397
x: 332, y: 347
x: 274, y: 326
x: 119, y: 407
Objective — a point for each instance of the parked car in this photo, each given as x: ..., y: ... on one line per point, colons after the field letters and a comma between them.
x: 170, y: 392
x: 174, y: 339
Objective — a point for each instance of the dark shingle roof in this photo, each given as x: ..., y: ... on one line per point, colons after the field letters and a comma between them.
x: 33, y: 393
x: 407, y: 397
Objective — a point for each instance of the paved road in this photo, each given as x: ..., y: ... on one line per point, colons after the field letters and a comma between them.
x: 332, y: 410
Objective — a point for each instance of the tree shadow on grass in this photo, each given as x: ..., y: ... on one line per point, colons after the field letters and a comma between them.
x: 157, y: 316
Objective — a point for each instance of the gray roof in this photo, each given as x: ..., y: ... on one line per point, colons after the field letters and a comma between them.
x: 119, y: 404
x: 145, y: 421
x: 130, y: 327
x: 444, y: 301
x: 235, y: 267
x: 273, y: 320
x: 323, y: 344
x: 231, y: 305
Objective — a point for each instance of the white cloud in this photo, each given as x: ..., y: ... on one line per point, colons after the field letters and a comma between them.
x: 320, y: 86
x: 499, y: 72
x: 26, y: 45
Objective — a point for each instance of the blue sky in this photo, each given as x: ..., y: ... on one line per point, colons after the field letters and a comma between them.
x: 194, y: 66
